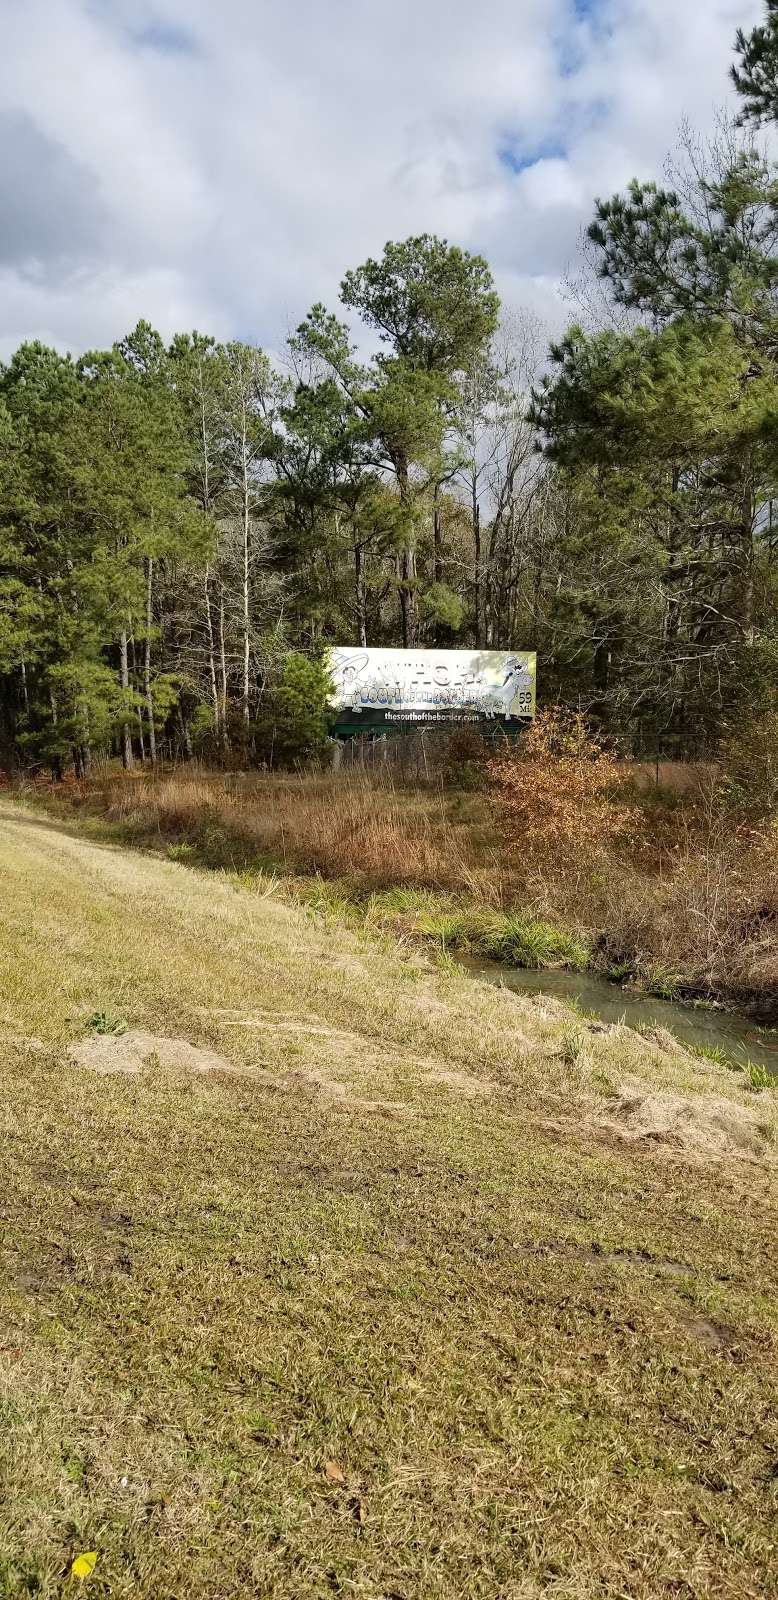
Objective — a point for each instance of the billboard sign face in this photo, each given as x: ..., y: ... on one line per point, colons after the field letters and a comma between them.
x: 434, y: 685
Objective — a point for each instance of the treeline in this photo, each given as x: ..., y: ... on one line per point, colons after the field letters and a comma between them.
x: 185, y: 528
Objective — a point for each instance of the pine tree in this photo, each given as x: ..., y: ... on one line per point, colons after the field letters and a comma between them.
x: 434, y: 308
x: 755, y: 74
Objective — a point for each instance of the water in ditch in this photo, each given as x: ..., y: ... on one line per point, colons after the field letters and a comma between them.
x: 739, y: 1038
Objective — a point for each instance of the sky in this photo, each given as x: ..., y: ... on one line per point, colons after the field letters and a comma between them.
x: 219, y: 164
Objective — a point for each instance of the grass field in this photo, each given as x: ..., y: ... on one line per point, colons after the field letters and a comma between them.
x: 336, y: 1273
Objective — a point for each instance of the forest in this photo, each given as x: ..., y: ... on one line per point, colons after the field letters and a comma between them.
x: 185, y: 527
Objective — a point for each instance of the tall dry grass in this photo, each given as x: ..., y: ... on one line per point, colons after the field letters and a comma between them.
x: 354, y: 825
x: 689, y: 907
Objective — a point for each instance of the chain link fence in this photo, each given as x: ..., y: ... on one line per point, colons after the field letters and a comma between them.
x: 423, y: 753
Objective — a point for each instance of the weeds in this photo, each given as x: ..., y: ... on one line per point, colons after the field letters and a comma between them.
x: 758, y: 1077
x: 263, y: 884
x: 445, y: 962
x: 620, y: 971
x: 517, y: 939
x: 572, y: 1045
x: 183, y: 853
x: 107, y: 1022
x: 663, y: 984
x: 529, y: 942
x: 716, y: 1054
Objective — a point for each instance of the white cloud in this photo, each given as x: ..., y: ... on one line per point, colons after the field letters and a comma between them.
x: 221, y: 166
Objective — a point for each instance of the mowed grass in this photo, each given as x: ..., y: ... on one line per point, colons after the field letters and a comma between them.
x: 387, y: 1307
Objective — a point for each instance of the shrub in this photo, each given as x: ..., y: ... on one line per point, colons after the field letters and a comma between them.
x: 750, y: 761
x: 299, y: 711
x: 557, y: 789
x: 465, y: 759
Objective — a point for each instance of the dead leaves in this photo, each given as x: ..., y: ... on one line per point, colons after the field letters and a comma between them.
x: 335, y: 1475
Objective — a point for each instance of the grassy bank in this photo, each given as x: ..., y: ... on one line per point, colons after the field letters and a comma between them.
x: 324, y: 1272
x: 446, y: 923
x: 687, y: 907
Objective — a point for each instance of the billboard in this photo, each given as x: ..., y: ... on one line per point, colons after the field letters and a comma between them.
x: 434, y: 685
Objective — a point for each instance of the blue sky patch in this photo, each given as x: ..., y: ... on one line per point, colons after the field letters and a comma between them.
x: 518, y: 157
x: 167, y: 38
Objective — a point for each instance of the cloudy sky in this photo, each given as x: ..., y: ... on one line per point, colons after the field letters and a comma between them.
x: 219, y: 163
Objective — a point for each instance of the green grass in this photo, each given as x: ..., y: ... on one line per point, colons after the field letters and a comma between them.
x: 385, y: 1307
x: 759, y: 1077
x: 734, y: 1063
x: 665, y: 985
x: 518, y: 939
x: 185, y: 853
x: 107, y: 1023
x: 525, y: 941
x: 620, y: 971
x: 572, y: 1045
x: 755, y: 1074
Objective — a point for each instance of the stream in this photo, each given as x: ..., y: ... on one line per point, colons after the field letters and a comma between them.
x: 739, y: 1037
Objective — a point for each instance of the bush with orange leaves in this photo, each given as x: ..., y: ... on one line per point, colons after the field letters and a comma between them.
x: 557, y: 791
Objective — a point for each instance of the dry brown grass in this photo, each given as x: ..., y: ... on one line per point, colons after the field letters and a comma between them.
x: 674, y: 777
x: 356, y: 825
x: 687, y: 904
x: 698, y: 917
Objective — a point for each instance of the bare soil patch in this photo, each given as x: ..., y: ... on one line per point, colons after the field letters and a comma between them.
x: 131, y: 1052
x: 716, y: 1336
